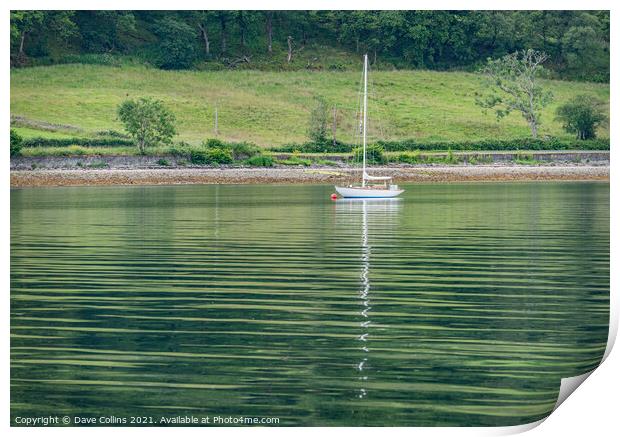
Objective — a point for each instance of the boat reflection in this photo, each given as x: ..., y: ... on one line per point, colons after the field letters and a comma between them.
x: 378, y: 213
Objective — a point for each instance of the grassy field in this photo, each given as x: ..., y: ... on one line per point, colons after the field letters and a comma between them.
x: 272, y: 108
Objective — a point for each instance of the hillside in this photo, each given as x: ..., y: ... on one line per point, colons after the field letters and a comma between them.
x: 272, y: 108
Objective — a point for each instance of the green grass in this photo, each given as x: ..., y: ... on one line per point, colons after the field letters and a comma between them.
x: 271, y: 108
x: 28, y: 132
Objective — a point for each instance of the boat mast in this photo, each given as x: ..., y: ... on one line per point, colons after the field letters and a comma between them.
x: 364, y: 124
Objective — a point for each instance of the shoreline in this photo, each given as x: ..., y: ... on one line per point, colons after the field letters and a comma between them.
x: 303, y: 175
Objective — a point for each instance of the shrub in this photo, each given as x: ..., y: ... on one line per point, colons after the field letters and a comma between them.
x: 214, y: 143
x: 512, y: 144
x: 314, y: 147
x: 260, y: 161
x: 181, y: 149
x: 374, y: 154
x: 163, y: 162
x: 409, y: 158
x: 86, y: 142
x: 210, y: 156
x: 410, y: 145
x: 581, y: 116
x: 16, y: 143
x: 244, y: 150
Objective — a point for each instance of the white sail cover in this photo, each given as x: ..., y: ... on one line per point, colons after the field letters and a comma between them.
x: 376, y: 178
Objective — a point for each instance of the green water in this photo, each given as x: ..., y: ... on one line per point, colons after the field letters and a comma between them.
x: 459, y: 304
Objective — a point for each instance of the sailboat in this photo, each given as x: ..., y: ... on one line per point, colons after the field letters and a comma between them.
x: 371, y: 186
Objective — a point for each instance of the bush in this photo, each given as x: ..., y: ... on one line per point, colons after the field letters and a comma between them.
x: 201, y: 156
x: 581, y: 116
x: 239, y: 151
x: 409, y: 158
x: 163, y: 162
x: 374, y: 154
x: 314, y: 147
x: 513, y: 144
x: 180, y: 149
x: 16, y: 143
x: 260, y: 161
x: 86, y: 142
x: 213, y: 143
x: 413, y: 145
x: 244, y: 150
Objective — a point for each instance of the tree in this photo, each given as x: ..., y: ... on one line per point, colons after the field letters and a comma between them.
x: 513, y: 86
x: 319, y: 121
x: 223, y: 17
x: 148, y: 122
x: 48, y: 24
x: 102, y: 31
x: 585, y: 50
x: 22, y: 24
x: 16, y: 143
x: 177, y: 45
x: 581, y: 116
x: 201, y: 21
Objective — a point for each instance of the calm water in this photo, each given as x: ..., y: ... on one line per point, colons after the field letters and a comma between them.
x: 455, y: 305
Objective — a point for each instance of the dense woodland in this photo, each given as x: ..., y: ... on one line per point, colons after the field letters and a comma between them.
x: 577, y: 42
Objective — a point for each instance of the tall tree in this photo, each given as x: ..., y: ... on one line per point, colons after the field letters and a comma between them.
x: 242, y: 22
x: 176, y: 48
x: 102, y: 31
x: 512, y: 85
x: 201, y: 21
x: 22, y: 24
x: 223, y: 17
x: 269, y: 30
x: 51, y: 24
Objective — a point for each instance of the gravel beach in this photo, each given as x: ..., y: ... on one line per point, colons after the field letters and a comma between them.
x: 61, y: 177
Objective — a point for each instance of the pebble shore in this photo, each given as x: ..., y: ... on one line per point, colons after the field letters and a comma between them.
x: 85, y: 177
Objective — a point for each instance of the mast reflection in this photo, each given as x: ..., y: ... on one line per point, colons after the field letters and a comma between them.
x: 379, y: 211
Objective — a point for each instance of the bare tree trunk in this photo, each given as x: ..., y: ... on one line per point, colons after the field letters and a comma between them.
x: 242, y: 28
x: 375, y: 61
x: 269, y: 31
x: 205, y: 36
x: 21, y: 45
x: 289, y: 40
x: 223, y: 33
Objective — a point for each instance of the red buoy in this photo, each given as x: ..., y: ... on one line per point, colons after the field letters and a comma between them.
x: 334, y: 196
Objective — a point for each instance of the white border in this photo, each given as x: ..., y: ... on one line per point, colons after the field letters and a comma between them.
x: 593, y: 410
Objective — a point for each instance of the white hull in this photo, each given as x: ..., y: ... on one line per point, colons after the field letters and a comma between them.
x: 359, y: 192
